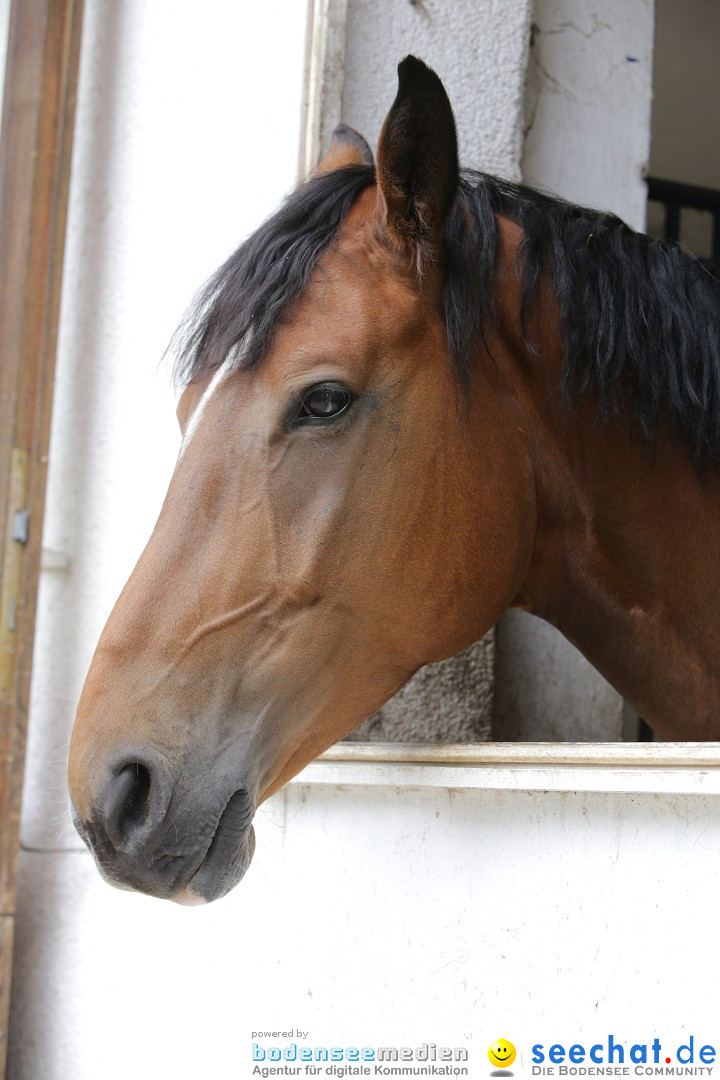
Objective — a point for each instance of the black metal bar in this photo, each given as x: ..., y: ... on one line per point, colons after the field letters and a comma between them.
x: 645, y: 732
x: 675, y: 197
x: 690, y: 195
x: 672, y: 221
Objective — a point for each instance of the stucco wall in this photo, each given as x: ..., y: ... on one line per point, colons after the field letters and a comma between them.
x: 479, y: 49
x: 589, y: 93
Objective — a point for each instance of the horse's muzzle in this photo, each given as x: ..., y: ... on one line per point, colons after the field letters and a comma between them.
x: 192, y: 848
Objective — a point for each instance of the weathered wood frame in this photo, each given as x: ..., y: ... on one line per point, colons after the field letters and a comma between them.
x: 35, y: 154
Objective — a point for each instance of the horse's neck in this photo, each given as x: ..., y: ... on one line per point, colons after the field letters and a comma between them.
x: 627, y: 565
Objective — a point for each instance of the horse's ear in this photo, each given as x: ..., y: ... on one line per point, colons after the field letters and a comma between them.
x: 417, y: 164
x: 346, y: 148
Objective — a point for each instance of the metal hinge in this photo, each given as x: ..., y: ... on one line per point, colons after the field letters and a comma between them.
x: 16, y: 536
x: 20, y: 526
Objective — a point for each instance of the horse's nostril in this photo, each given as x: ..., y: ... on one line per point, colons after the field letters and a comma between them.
x: 127, y: 802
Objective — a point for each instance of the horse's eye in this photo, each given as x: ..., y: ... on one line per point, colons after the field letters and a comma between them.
x: 325, y: 400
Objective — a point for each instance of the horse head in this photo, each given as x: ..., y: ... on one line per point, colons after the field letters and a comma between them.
x: 342, y: 512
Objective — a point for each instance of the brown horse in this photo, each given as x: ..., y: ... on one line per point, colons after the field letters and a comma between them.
x: 414, y: 397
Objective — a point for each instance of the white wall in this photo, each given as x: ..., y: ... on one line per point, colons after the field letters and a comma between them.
x: 384, y: 916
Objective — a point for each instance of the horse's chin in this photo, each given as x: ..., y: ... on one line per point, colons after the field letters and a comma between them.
x: 218, y: 873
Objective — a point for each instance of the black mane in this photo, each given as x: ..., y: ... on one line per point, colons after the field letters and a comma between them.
x: 640, y: 318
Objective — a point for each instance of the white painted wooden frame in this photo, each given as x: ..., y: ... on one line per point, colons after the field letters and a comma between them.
x: 663, y: 768
x: 324, y: 71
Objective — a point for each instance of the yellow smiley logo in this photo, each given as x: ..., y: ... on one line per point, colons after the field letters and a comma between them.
x: 502, y: 1053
